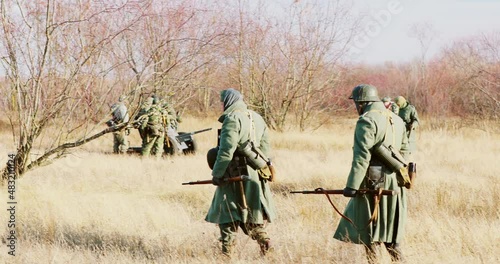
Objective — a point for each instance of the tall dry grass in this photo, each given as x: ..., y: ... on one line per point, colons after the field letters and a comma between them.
x: 94, y: 207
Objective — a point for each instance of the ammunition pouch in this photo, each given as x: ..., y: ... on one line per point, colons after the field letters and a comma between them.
x: 237, y: 166
x: 395, y: 162
x: 265, y: 174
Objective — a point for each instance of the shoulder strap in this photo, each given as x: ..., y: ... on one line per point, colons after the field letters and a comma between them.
x: 252, y: 128
x: 389, y: 121
x: 251, y: 132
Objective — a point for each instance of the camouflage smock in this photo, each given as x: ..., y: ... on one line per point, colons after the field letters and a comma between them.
x: 225, y: 204
x: 370, y: 130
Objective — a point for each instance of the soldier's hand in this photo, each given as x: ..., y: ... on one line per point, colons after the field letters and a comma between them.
x: 216, y: 181
x: 349, y: 192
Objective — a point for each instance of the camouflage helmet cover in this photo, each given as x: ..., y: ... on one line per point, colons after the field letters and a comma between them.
x: 365, y: 93
x: 386, y: 99
x: 400, y: 101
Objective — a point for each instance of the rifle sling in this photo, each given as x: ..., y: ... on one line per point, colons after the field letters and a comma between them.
x: 334, y: 207
x: 375, y: 209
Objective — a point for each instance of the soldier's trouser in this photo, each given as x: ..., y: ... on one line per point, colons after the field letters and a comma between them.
x: 227, y: 231
x: 142, y: 133
x: 120, y: 143
x: 158, y: 146
x: 148, y: 144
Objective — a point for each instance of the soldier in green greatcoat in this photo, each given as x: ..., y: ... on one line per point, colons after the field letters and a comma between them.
x: 240, y: 124
x: 375, y: 126
x: 408, y: 113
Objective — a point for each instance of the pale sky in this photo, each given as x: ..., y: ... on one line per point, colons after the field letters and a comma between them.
x: 388, y: 38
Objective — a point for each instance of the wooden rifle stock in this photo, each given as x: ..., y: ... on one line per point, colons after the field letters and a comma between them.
x: 362, y: 191
x: 272, y: 170
x: 232, y: 179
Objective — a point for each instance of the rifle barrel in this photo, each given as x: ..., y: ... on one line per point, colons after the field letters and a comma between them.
x: 203, y: 130
x: 197, y: 182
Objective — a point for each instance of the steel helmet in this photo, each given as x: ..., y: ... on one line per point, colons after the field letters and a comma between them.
x: 212, y: 157
x: 400, y: 101
x: 365, y: 93
x: 386, y: 99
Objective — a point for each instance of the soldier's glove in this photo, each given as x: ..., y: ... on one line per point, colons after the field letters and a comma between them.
x: 217, y: 181
x: 349, y: 192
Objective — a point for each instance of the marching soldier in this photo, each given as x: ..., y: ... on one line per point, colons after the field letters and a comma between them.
x: 247, y: 205
x: 408, y: 113
x: 375, y: 219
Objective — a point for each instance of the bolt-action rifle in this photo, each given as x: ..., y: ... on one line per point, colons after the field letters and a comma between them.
x: 376, y: 193
x: 362, y: 191
x: 225, y: 180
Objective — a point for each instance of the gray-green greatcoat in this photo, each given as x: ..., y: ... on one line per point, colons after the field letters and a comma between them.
x: 372, y: 128
x: 408, y: 113
x: 227, y: 198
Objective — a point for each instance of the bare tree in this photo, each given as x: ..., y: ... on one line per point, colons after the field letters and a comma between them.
x: 475, y: 63
x: 65, y: 61
x: 417, y: 85
x: 286, y: 62
x: 57, y: 73
x: 170, y: 50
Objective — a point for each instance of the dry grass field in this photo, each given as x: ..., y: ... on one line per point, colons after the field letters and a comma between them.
x: 95, y: 207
